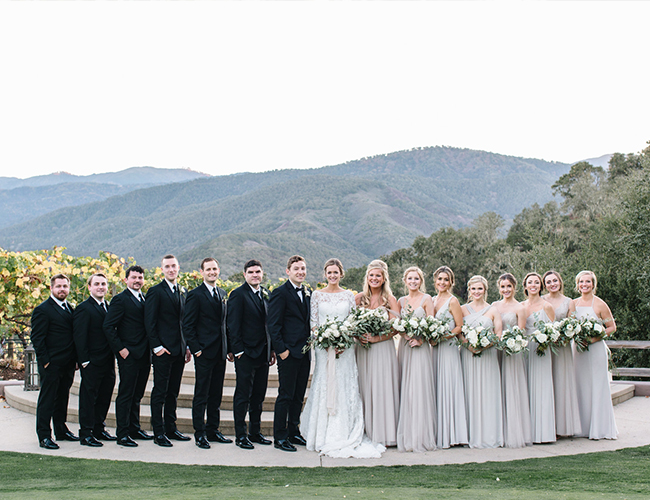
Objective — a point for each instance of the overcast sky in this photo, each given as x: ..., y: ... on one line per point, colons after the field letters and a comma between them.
x: 223, y: 87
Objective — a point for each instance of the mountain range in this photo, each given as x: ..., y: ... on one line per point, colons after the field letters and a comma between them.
x: 356, y: 211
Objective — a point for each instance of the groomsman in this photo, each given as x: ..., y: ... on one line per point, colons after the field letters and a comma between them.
x: 289, y: 329
x: 250, y: 341
x: 204, y: 327
x: 163, y: 319
x: 55, y: 354
x: 97, y: 363
x: 125, y: 332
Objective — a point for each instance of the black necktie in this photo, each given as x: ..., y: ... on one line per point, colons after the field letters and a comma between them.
x: 103, y: 304
x: 141, y: 297
x: 66, y: 308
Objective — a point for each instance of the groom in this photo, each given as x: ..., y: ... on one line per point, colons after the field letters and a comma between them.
x: 288, y: 324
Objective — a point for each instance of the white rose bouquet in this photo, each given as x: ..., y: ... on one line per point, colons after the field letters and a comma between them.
x: 333, y: 333
x: 372, y: 322
x: 479, y: 338
x: 569, y: 328
x: 438, y: 329
x: 513, y: 341
x: 427, y: 328
x: 589, y: 328
x: 546, y: 336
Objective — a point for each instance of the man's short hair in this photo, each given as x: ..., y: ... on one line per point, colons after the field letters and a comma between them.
x: 58, y: 277
x: 293, y: 259
x: 134, y: 269
x: 90, y: 280
x: 206, y: 260
x: 169, y: 256
x: 252, y: 263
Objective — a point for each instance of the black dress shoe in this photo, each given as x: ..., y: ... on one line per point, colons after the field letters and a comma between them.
x: 104, y: 436
x: 48, y: 444
x: 245, y: 444
x: 67, y: 436
x: 127, y: 441
x: 162, y: 441
x: 90, y: 441
x: 299, y: 440
x: 259, y: 438
x: 217, y: 437
x: 284, y: 445
x: 203, y: 443
x: 140, y: 434
x: 177, y: 436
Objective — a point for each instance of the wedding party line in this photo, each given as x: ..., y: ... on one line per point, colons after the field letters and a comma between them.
x: 419, y: 373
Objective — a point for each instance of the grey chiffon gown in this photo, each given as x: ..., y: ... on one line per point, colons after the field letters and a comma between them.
x: 483, y: 402
x: 540, y: 386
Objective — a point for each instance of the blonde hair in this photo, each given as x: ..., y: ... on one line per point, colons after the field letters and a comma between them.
x: 509, y: 278
x: 386, y: 292
x: 334, y: 262
x: 477, y: 279
x: 549, y: 273
x: 541, y: 283
x: 415, y: 269
x: 593, y: 279
x: 448, y: 272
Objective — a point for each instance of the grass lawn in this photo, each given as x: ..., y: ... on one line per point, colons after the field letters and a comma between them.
x: 623, y: 474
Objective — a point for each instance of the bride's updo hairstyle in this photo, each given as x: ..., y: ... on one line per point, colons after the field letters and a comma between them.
x: 334, y: 262
x: 541, y: 282
x: 477, y: 279
x: 415, y: 269
x: 386, y: 292
x: 593, y: 279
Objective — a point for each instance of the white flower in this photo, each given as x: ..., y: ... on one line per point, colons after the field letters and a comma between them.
x: 555, y: 336
x: 485, y: 341
x: 570, y: 333
x: 414, y: 323
x: 524, y: 343
x: 541, y: 337
x: 511, y: 343
x: 423, y: 322
x: 598, y: 327
x: 519, y: 338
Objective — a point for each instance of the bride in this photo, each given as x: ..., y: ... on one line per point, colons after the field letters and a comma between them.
x: 332, y: 420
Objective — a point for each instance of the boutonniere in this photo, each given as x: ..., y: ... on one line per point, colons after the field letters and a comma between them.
x: 183, y: 290
x: 265, y: 294
x: 307, y: 292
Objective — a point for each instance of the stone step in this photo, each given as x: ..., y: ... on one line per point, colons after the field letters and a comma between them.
x: 621, y: 391
x: 26, y: 401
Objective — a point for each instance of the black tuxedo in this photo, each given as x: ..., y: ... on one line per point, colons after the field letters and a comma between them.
x: 98, y: 376
x: 248, y: 335
x: 163, y: 319
x: 53, y: 342
x: 288, y: 324
x: 124, y: 329
x: 204, y: 327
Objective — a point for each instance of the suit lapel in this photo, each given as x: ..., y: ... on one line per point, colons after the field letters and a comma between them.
x: 253, y: 297
x: 171, y: 295
x: 134, y: 299
x: 66, y: 314
x: 212, y: 300
x: 299, y: 303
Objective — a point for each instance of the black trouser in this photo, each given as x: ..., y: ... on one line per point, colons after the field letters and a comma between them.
x: 208, y: 389
x: 52, y: 404
x: 293, y: 374
x: 134, y: 373
x: 95, y: 393
x: 167, y: 376
x: 250, y: 391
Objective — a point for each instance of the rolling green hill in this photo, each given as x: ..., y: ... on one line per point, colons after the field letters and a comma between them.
x: 356, y: 211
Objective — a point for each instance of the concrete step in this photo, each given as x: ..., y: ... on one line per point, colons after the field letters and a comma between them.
x: 26, y: 401
x: 621, y: 391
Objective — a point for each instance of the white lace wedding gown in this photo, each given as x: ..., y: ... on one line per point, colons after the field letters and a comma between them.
x: 336, y: 432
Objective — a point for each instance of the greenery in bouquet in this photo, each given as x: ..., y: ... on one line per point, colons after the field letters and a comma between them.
x: 546, y: 335
x: 412, y: 327
x: 569, y: 328
x: 373, y: 322
x: 478, y: 338
x: 333, y: 333
x: 589, y: 328
x: 513, y: 341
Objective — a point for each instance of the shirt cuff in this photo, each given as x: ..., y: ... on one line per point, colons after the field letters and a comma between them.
x: 156, y: 350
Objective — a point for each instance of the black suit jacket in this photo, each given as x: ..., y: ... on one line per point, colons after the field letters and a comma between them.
x: 88, y: 332
x: 52, y: 334
x: 288, y: 320
x: 204, y: 322
x: 247, y: 323
x: 163, y: 318
x: 124, y: 325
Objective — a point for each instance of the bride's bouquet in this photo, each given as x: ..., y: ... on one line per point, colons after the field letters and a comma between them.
x: 546, y: 335
x: 333, y: 333
x: 589, y: 328
x: 479, y: 338
x: 427, y: 328
x: 513, y: 341
x: 372, y: 322
x: 568, y: 327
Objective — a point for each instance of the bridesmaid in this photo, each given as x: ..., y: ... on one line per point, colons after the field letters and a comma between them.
x: 540, y: 372
x: 452, y: 418
x: 416, y: 428
x: 378, y: 369
x: 567, y: 415
x: 482, y: 378
x: 592, y: 380
x: 516, y: 410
